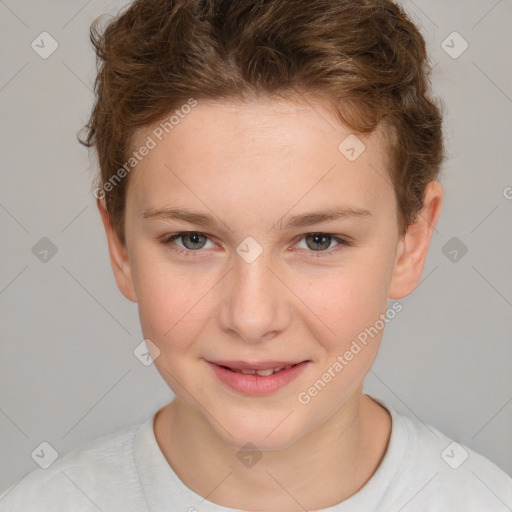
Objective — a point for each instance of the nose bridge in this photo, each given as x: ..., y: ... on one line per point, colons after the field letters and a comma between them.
x: 253, y: 304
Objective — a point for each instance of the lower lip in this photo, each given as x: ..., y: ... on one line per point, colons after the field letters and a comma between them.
x: 256, y: 385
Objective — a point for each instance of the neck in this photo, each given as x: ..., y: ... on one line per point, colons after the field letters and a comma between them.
x: 323, y: 468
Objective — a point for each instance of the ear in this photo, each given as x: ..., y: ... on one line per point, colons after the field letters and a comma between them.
x: 118, y: 256
x: 413, y: 246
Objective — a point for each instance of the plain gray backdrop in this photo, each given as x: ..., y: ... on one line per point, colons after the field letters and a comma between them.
x: 67, y: 369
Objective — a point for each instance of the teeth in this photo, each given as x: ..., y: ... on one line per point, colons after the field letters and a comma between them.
x: 266, y: 373
x: 262, y: 373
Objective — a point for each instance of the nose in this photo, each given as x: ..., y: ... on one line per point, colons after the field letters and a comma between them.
x: 254, y: 305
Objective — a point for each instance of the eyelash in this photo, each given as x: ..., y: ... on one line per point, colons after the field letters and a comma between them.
x: 342, y: 242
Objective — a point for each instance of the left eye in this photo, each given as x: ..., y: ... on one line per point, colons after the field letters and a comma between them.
x: 319, y: 242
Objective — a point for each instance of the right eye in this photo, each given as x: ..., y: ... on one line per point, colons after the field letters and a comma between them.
x: 192, y: 241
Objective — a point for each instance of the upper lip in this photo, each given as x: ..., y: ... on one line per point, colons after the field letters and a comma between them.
x: 256, y: 365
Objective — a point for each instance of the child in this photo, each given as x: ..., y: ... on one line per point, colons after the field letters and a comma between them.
x: 268, y: 182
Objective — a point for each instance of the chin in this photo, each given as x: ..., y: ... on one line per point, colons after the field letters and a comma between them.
x: 266, y: 434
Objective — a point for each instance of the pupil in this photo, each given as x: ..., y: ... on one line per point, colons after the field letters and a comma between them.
x: 195, y: 238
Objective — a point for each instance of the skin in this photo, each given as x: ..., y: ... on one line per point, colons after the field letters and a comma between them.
x: 253, y: 165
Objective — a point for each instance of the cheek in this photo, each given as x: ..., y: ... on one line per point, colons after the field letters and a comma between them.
x: 344, y: 316
x: 171, y: 301
x: 345, y: 301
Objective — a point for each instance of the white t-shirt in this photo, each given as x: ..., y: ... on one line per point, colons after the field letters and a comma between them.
x: 125, y: 471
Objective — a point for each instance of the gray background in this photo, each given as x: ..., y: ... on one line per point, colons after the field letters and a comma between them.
x: 67, y: 369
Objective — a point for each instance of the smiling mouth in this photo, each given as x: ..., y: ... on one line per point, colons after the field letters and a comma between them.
x: 257, y: 378
x: 262, y: 373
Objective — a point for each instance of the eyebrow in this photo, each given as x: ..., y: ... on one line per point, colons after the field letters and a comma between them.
x: 297, y: 221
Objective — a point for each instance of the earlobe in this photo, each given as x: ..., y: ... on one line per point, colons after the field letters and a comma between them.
x: 413, y: 246
x: 118, y: 256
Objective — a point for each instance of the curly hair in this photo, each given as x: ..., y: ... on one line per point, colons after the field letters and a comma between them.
x: 365, y: 58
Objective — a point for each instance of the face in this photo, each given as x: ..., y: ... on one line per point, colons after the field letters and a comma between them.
x: 270, y: 276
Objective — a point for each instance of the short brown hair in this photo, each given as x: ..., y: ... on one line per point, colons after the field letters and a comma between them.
x: 365, y: 58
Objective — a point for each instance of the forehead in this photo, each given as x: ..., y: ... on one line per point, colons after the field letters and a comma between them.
x: 261, y: 149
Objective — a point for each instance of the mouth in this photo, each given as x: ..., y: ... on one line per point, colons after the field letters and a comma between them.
x: 263, y: 368
x: 266, y: 372
x: 262, y: 378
